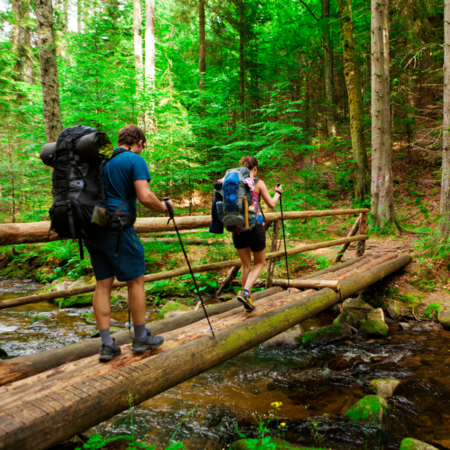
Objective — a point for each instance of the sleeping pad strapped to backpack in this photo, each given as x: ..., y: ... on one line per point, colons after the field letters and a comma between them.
x: 79, y: 209
x: 231, y: 209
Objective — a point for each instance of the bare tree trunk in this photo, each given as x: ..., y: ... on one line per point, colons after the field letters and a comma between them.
x: 150, y: 70
x: 17, y: 34
x: 49, y: 70
x: 137, y: 23
x: 328, y: 69
x: 242, y: 57
x: 444, y: 225
x: 202, y: 47
x: 353, y: 82
x: 11, y: 176
x: 28, y: 50
x: 79, y: 16
x: 382, y: 189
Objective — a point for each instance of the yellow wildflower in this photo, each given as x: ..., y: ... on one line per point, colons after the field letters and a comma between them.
x: 283, y: 424
x: 276, y: 404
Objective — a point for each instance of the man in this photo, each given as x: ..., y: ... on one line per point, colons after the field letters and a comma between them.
x: 124, y: 175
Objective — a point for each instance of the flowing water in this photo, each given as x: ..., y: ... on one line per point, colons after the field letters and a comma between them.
x: 313, y: 392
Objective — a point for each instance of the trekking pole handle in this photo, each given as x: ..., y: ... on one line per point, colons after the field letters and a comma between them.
x: 169, y: 207
x: 278, y: 192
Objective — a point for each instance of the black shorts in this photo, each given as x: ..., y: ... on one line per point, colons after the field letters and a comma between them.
x: 255, y: 239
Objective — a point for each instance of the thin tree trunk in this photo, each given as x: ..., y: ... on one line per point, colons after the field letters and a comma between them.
x: 27, y: 47
x: 353, y: 82
x: 79, y: 16
x: 382, y: 189
x: 328, y: 69
x: 242, y: 69
x: 11, y: 176
x: 150, y: 70
x: 49, y: 70
x: 137, y: 23
x: 202, y: 46
x: 444, y: 225
x: 17, y: 34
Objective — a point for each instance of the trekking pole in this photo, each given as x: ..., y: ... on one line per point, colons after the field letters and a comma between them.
x: 284, y: 235
x: 171, y: 217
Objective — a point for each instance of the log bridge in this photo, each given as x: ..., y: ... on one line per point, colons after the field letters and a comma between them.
x: 51, y: 396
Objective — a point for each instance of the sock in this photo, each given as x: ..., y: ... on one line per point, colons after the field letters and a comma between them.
x: 106, y: 337
x: 247, y: 291
x: 140, y: 332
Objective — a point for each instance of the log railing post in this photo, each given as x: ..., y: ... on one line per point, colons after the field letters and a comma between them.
x: 353, y: 231
x: 361, y: 245
x: 232, y: 273
x: 273, y: 248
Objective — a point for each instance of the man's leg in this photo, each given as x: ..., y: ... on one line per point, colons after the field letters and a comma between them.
x: 102, y: 308
x: 136, y: 301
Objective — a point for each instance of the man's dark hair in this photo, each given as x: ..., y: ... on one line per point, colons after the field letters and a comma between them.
x: 131, y: 134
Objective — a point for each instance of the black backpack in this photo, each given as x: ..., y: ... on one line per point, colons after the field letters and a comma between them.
x: 79, y: 209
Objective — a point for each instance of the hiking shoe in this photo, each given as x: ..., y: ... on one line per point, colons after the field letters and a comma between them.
x: 245, y: 299
x: 108, y: 352
x: 149, y: 343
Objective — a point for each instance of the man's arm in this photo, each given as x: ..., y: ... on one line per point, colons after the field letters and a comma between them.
x: 147, y: 197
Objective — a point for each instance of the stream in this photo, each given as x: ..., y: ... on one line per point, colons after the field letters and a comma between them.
x: 315, y: 387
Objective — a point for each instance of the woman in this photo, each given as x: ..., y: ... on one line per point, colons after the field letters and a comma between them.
x: 253, y: 241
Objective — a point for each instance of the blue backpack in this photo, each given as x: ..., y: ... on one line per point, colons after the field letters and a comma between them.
x: 231, y: 209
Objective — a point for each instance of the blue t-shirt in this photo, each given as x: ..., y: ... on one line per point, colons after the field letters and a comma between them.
x: 119, y: 175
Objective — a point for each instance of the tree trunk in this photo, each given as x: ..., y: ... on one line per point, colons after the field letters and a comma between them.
x: 26, y: 366
x: 137, y: 23
x: 79, y: 16
x: 232, y: 273
x: 150, y: 51
x: 49, y: 70
x: 353, y: 231
x: 202, y: 46
x: 328, y: 69
x: 37, y: 298
x: 17, y: 34
x: 11, y: 177
x: 42, y: 414
x: 242, y: 68
x: 382, y: 211
x: 28, y: 233
x: 28, y: 51
x: 444, y: 224
x: 353, y: 82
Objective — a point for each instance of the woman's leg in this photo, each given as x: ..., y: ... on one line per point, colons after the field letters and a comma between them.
x: 245, y: 256
x: 260, y: 260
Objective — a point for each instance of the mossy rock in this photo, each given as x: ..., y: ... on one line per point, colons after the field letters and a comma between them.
x: 76, y: 300
x: 374, y: 324
x: 325, y: 335
x: 171, y: 306
x: 369, y: 410
x: 394, y: 309
x: 246, y: 444
x: 385, y: 387
x: 350, y: 317
x: 443, y: 315
x: 413, y: 444
x: 357, y: 303
x: 3, y: 354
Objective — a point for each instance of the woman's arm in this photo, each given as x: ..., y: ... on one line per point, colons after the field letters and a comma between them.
x: 270, y: 202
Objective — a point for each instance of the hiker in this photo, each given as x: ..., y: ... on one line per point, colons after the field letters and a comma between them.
x: 253, y: 241
x: 125, y: 176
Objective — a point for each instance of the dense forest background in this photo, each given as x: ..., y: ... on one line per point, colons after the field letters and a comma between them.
x: 212, y: 80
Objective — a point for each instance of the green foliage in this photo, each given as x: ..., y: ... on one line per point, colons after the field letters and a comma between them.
x: 37, y: 318
x: 433, y: 309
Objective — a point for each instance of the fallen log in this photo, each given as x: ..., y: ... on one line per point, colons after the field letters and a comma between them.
x: 36, y: 298
x: 41, y: 418
x: 187, y: 241
x: 26, y: 366
x: 27, y: 233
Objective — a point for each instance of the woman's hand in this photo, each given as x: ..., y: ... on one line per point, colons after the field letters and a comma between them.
x: 279, y: 189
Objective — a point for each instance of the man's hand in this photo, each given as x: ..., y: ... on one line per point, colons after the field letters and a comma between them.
x: 170, y: 202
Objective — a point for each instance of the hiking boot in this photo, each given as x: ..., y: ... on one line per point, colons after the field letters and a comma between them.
x: 108, y: 352
x: 149, y: 343
x: 245, y: 299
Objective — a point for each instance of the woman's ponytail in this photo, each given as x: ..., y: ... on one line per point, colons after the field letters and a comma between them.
x: 249, y: 161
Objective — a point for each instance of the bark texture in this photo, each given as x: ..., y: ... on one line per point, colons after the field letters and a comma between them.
x: 201, y: 43
x: 328, y: 69
x: 150, y: 51
x: 49, y: 70
x: 382, y: 189
x: 242, y: 68
x: 137, y: 24
x: 353, y: 82
x: 444, y: 224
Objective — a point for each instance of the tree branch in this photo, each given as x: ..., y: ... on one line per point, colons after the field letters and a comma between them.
x: 309, y: 9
